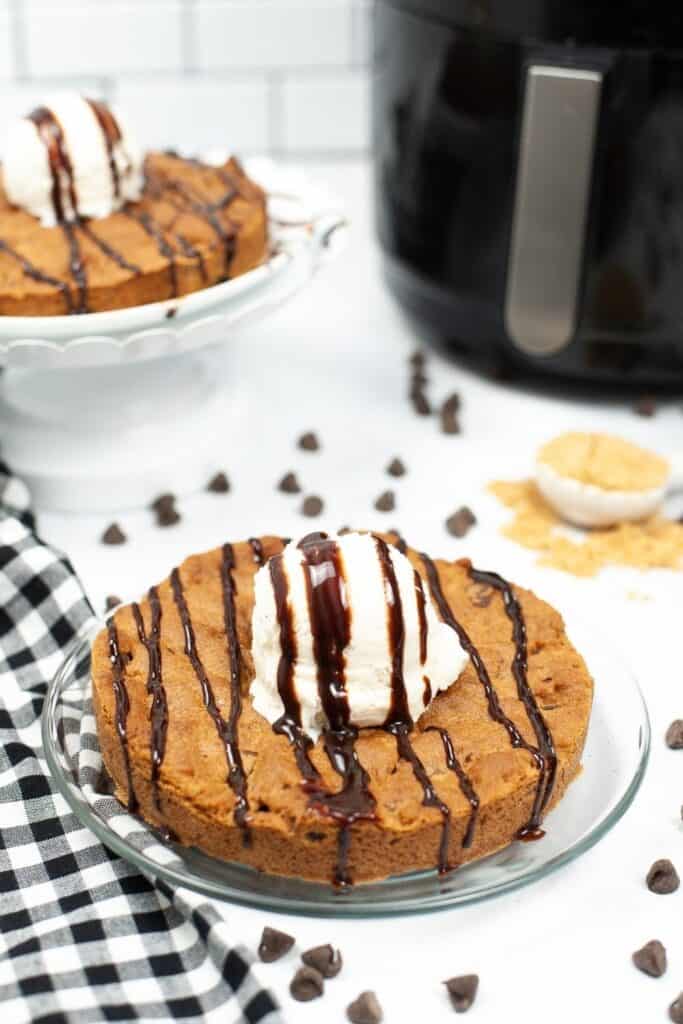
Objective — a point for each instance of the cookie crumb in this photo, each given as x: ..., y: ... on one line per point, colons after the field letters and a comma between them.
x: 171, y: 312
x: 114, y: 535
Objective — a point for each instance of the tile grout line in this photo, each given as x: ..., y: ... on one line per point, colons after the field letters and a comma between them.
x: 275, y: 112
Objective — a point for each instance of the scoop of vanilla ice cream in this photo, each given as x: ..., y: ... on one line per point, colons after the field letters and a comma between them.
x: 368, y: 654
x: 101, y: 172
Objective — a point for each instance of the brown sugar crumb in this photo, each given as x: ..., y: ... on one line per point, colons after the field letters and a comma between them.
x: 610, y: 463
x: 656, y: 543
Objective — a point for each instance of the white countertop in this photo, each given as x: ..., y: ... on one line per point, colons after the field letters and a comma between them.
x: 334, y: 361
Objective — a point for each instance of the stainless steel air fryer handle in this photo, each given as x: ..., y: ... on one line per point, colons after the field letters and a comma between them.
x: 552, y: 194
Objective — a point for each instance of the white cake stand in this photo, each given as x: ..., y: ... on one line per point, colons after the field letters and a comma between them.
x: 107, y: 410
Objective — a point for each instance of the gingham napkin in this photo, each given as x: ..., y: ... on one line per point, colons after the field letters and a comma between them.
x: 83, y: 936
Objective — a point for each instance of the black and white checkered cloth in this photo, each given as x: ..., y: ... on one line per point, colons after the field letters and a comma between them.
x: 83, y: 935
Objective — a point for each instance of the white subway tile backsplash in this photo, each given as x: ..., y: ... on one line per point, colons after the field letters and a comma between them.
x: 326, y: 112
x: 102, y: 38
x: 197, y: 113
x: 7, y: 63
x: 273, y: 33
x: 257, y: 75
x: 362, y: 31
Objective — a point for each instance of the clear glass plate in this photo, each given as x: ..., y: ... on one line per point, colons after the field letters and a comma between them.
x: 614, y: 762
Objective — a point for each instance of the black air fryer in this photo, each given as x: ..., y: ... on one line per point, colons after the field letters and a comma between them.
x: 529, y: 179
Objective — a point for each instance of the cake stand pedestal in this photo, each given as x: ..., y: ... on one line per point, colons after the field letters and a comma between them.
x: 112, y: 437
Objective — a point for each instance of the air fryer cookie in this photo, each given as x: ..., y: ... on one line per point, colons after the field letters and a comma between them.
x: 187, y: 751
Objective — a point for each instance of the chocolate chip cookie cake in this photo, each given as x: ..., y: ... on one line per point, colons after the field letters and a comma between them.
x: 340, y: 709
x: 88, y: 223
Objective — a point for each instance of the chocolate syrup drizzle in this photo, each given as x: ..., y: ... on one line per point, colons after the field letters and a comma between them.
x: 205, y: 211
x: 330, y: 626
x: 400, y: 543
x: 111, y: 134
x: 36, y: 274
x: 158, y: 712
x: 226, y: 730
x: 237, y: 777
x: 257, y: 550
x: 546, y: 764
x: 464, y: 781
x: 76, y: 267
x: 399, y: 721
x: 122, y: 707
x: 61, y: 169
x: 544, y: 739
x: 193, y: 253
x: 51, y: 135
x: 155, y: 232
x: 109, y: 250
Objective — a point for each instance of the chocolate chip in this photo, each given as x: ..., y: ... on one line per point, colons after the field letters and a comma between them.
x: 274, y: 944
x: 420, y: 402
x: 462, y: 991
x: 166, y: 512
x: 325, y: 959
x: 674, y: 735
x: 163, y: 500
x: 396, y: 468
x: 418, y: 358
x: 104, y: 785
x: 307, y: 984
x: 461, y: 522
x: 312, y: 505
x: 309, y: 442
x: 289, y: 484
x: 114, y: 535
x: 218, y: 484
x: 645, y: 406
x: 112, y: 601
x: 482, y: 596
x: 662, y: 878
x: 676, y: 1010
x: 651, y: 959
x: 449, y: 415
x: 365, y: 1009
x: 386, y: 502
